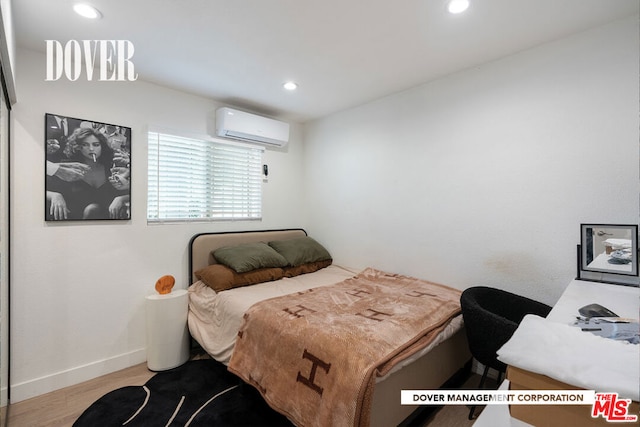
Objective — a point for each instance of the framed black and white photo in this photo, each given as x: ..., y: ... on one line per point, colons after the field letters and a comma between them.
x: 87, y: 170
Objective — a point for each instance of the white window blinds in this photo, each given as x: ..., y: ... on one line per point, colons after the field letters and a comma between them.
x: 193, y: 179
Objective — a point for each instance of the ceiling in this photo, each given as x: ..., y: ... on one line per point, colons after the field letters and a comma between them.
x: 342, y: 53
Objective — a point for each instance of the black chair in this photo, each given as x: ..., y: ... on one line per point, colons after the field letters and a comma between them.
x: 491, y: 316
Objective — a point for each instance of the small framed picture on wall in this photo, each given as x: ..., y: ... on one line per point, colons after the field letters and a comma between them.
x: 87, y: 170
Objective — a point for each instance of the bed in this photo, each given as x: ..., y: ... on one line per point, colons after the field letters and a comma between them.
x: 219, y: 321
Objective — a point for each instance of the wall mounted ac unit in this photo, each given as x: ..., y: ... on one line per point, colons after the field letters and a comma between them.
x: 236, y: 124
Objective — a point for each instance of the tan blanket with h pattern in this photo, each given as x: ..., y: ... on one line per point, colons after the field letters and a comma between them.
x: 315, y: 355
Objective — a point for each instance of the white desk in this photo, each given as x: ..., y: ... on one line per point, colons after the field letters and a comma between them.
x: 622, y: 300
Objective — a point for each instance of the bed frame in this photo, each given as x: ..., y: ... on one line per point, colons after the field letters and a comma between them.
x: 451, y: 359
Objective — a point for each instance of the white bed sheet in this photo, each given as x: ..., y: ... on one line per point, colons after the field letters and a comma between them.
x: 215, y: 318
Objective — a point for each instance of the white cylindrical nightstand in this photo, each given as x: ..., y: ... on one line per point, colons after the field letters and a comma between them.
x: 167, y: 331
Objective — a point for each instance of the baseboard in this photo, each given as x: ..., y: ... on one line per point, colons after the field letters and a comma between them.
x: 46, y: 384
x: 4, y: 393
x: 478, y: 368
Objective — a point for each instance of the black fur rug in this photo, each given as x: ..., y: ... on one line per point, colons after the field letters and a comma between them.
x: 198, y: 393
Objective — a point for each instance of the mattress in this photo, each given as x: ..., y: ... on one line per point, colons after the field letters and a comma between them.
x: 215, y: 318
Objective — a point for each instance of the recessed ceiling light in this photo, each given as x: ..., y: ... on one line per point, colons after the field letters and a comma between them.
x: 87, y: 11
x: 457, y: 6
x: 290, y: 86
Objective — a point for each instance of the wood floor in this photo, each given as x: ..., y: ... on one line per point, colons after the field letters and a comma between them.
x: 62, y: 407
x: 454, y: 415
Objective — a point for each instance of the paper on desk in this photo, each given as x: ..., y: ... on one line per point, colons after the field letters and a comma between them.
x: 567, y: 354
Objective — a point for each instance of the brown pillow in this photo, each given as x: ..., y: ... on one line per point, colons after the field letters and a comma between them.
x: 220, y: 277
x: 306, y: 268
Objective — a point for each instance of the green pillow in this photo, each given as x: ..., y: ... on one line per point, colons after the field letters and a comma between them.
x: 249, y: 256
x: 301, y: 250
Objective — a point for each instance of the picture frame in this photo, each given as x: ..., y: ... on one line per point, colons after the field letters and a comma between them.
x: 87, y: 170
x: 609, y: 253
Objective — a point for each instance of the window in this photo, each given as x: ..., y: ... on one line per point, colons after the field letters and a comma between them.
x: 203, y: 179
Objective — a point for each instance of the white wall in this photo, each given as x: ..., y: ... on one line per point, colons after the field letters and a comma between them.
x: 483, y: 177
x: 78, y: 289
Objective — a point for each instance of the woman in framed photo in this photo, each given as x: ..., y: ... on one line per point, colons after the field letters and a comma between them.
x: 102, y: 192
